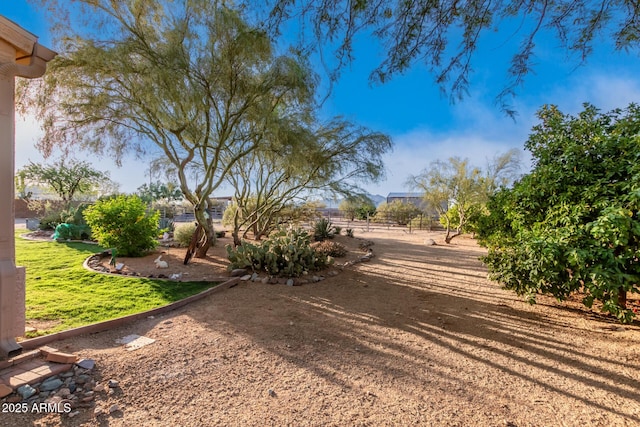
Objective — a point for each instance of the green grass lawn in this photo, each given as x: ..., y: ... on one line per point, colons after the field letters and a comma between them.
x: 61, y: 294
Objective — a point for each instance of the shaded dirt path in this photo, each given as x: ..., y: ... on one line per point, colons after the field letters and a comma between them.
x: 418, y: 336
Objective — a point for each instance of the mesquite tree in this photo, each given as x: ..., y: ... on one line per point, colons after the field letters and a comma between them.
x: 188, y: 78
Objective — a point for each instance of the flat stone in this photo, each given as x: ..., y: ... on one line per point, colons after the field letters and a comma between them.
x: 246, y: 277
x: 26, y: 391
x: 50, y: 385
x: 135, y: 342
x: 113, y: 384
x: 86, y: 364
x: 430, y: 242
x: 114, y: 408
x: 254, y: 277
x: 290, y: 282
x: 238, y: 272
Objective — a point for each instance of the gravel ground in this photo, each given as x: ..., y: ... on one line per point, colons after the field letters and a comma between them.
x: 416, y: 336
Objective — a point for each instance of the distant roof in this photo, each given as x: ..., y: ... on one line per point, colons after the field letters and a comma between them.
x: 404, y: 195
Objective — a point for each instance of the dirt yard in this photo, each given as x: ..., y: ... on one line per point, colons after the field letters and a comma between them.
x: 416, y: 336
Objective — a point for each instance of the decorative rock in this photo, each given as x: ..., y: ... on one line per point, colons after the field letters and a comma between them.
x: 82, y: 379
x: 73, y: 414
x: 430, y: 242
x: 114, y: 408
x: 238, y: 272
x: 51, y: 384
x: 113, y: 384
x: 273, y: 280
x: 333, y: 273
x: 64, y: 392
x: 271, y: 393
x: 26, y: 391
x: 13, y: 399
x: 290, y: 282
x: 67, y: 374
x: 246, y: 277
x: 98, y: 411
x: 301, y: 282
x: 254, y: 277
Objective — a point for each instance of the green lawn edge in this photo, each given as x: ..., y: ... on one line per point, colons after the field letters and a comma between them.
x: 61, y: 294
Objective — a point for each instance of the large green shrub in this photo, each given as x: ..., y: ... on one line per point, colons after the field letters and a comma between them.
x: 123, y: 223
x: 572, y: 225
x: 284, y: 253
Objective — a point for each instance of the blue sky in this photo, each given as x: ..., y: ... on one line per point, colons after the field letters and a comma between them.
x: 423, y: 125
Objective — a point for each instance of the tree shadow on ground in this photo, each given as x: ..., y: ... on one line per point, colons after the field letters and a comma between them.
x: 464, y: 338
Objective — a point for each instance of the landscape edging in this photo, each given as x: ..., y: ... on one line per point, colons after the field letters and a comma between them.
x: 120, y: 321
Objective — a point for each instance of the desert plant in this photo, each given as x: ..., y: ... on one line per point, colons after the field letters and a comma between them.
x: 285, y: 253
x: 349, y: 232
x: 337, y: 230
x: 123, y: 223
x: 322, y: 230
x: 51, y: 220
x: 183, y: 233
x: 333, y: 249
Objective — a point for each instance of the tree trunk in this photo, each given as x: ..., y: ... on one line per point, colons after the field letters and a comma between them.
x: 622, y: 298
x: 236, y: 229
x: 209, y: 235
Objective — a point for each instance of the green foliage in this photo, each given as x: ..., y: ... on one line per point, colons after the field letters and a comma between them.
x: 285, y: 253
x: 51, y: 219
x: 573, y: 223
x: 183, y: 233
x: 158, y: 191
x: 117, y: 91
x: 471, y: 218
x: 397, y: 212
x: 357, y: 207
x: 322, y: 230
x: 349, y: 232
x: 123, y: 223
x: 337, y: 229
x: 66, y: 178
x: 456, y: 184
x: 327, y: 248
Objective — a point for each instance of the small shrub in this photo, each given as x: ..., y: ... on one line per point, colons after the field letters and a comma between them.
x: 283, y: 253
x: 183, y: 233
x: 51, y: 220
x: 220, y: 234
x: 67, y: 231
x: 333, y: 249
x: 123, y: 223
x: 349, y: 232
x: 337, y: 230
x: 323, y: 230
